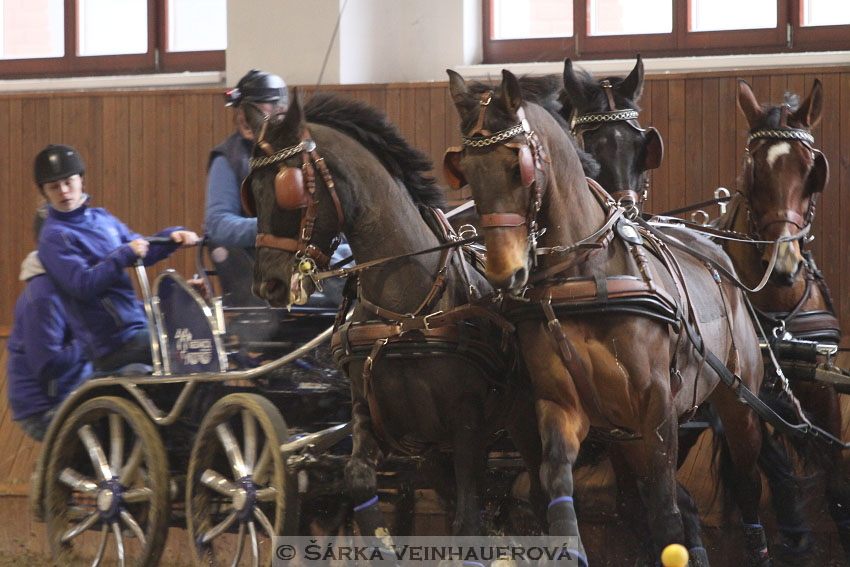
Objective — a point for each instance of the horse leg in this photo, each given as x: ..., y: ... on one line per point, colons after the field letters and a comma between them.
x: 786, y: 500
x: 561, y: 432
x: 470, y: 462
x: 744, y: 443
x: 360, y: 475
x: 826, y: 413
x: 653, y: 460
x: 630, y: 506
x: 522, y: 428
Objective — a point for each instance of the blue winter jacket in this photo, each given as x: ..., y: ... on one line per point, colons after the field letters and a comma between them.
x: 44, y: 362
x: 85, y: 252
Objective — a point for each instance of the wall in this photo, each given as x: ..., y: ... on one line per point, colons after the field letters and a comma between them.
x: 147, y: 152
x: 379, y: 41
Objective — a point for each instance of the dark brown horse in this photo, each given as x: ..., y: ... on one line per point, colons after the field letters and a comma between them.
x: 600, y: 350
x: 624, y: 152
x: 425, y: 376
x: 782, y: 176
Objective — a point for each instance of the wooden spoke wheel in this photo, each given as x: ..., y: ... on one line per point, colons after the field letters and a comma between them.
x: 107, y: 487
x: 239, y: 493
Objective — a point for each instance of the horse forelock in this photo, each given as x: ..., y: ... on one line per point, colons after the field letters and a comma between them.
x: 371, y: 128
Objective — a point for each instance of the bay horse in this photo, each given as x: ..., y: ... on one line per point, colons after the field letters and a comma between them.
x: 604, y: 114
x: 429, y: 371
x: 781, y: 178
x: 596, y: 358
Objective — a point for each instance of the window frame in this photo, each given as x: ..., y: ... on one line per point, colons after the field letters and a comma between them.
x: 157, y: 59
x: 680, y: 42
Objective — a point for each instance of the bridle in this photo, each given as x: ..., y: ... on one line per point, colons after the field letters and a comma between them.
x: 295, y: 189
x: 754, y: 142
x: 588, y: 122
x: 532, y: 157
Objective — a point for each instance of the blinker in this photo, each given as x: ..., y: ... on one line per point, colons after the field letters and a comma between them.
x: 627, y: 231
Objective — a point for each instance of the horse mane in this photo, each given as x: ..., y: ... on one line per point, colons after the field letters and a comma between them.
x: 594, y: 94
x: 545, y: 91
x: 372, y: 128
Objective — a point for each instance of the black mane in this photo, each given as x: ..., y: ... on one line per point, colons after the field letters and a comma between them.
x: 371, y: 128
x: 547, y: 92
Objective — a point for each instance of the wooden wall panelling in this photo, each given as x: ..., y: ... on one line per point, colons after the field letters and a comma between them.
x: 840, y: 183
x: 710, y: 157
x: 658, y: 96
x: 692, y: 190
x: 829, y: 215
x: 727, y: 155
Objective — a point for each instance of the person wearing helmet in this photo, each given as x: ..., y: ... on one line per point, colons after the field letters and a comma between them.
x: 45, y: 363
x: 85, y: 251
x: 231, y: 231
x: 225, y: 222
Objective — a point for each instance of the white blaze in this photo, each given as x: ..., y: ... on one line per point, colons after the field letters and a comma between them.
x: 777, y: 150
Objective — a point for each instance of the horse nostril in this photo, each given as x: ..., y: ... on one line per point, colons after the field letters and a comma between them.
x: 271, y: 285
x: 520, y: 278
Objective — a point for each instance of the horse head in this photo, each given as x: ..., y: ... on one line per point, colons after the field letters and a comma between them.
x: 604, y: 121
x: 498, y: 160
x: 510, y: 143
x: 297, y: 228
x: 782, y: 174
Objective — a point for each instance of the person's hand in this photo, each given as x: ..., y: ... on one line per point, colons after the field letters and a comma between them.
x: 199, y: 286
x: 140, y: 247
x: 185, y: 237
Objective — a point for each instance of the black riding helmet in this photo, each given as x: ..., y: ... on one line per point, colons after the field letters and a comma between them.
x: 258, y: 86
x: 57, y: 162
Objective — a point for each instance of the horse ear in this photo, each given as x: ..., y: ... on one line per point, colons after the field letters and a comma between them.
x: 654, y: 149
x: 819, y: 175
x: 457, y: 87
x: 809, y: 113
x: 511, y: 93
x: 293, y: 120
x: 747, y: 103
x: 632, y: 86
x: 572, y: 85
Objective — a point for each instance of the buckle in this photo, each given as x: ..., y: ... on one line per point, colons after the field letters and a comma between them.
x: 428, y: 316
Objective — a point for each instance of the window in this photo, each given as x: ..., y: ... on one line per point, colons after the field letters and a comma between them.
x: 551, y: 30
x: 53, y: 38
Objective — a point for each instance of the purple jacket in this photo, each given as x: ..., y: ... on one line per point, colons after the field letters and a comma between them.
x: 85, y: 252
x: 44, y: 362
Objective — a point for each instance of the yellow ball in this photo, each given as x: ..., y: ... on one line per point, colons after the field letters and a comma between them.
x: 674, y: 555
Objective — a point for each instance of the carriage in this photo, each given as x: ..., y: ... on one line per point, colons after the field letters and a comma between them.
x: 201, y: 441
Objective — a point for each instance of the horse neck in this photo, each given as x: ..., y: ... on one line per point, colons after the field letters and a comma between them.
x: 381, y: 222
x: 747, y: 260
x: 570, y: 211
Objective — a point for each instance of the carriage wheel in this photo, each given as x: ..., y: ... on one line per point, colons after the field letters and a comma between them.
x: 107, y: 479
x: 238, y: 486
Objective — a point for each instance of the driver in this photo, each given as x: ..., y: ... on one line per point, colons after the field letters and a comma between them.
x: 85, y: 251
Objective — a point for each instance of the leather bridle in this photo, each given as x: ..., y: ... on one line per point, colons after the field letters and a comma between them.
x: 309, y: 256
x: 532, y: 157
x: 754, y: 142
x: 588, y: 122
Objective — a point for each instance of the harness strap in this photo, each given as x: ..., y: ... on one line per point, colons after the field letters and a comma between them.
x: 498, y: 220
